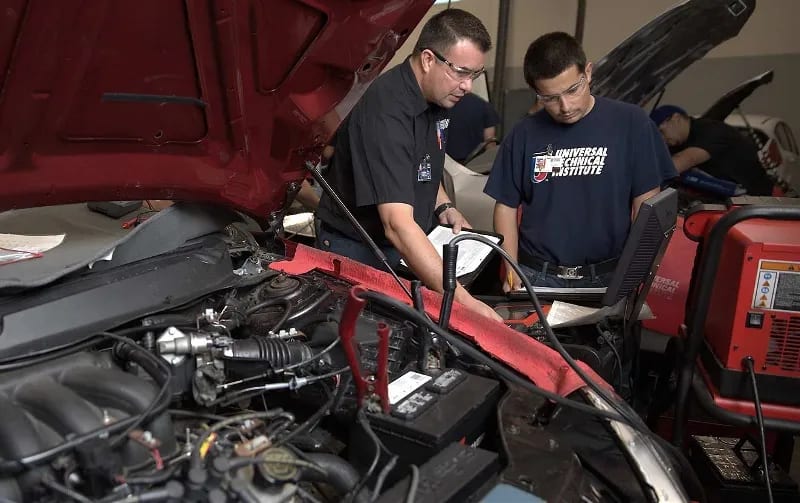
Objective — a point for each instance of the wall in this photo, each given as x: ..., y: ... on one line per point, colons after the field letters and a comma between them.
x: 768, y: 40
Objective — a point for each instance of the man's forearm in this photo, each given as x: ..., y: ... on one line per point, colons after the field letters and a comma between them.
x: 441, y: 196
x: 505, y: 223
x: 418, y: 252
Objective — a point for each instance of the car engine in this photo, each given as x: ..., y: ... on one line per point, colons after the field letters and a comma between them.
x: 248, y: 393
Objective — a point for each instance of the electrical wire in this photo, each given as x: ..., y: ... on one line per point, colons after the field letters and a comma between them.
x: 163, y: 393
x: 364, y: 422
x: 629, y: 418
x: 293, y: 384
x: 413, y: 484
x: 376, y: 491
x: 748, y: 363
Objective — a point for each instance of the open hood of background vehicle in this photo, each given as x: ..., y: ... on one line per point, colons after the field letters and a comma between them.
x: 219, y: 101
x: 723, y: 107
x: 642, y: 66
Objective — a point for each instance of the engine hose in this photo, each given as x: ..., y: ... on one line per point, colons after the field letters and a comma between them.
x: 276, y: 352
x: 338, y: 473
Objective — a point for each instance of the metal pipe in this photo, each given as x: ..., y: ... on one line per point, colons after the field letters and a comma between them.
x: 580, y: 21
x: 498, y: 82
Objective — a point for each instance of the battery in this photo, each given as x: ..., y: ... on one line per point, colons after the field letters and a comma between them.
x: 728, y: 478
x: 454, y: 406
x: 458, y: 473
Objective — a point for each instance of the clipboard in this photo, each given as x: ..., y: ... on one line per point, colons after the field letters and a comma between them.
x: 472, y: 255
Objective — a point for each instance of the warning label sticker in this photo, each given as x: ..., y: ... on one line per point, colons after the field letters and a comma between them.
x: 777, y: 286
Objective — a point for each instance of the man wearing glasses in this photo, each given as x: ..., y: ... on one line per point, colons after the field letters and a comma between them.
x: 389, y: 153
x: 579, y: 169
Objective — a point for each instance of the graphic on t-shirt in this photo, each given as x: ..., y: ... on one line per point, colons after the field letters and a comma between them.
x: 581, y: 161
x: 539, y: 170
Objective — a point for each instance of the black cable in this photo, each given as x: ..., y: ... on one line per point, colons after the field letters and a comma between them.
x: 311, y: 307
x: 364, y: 422
x: 162, y: 395
x: 310, y: 423
x: 189, y: 414
x: 158, y: 477
x: 66, y: 491
x: 630, y: 419
x: 500, y: 368
x: 748, y: 363
x: 413, y: 484
x: 610, y: 341
x: 376, y: 491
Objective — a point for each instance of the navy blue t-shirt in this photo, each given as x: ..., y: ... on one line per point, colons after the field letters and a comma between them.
x: 579, y: 214
x: 471, y: 115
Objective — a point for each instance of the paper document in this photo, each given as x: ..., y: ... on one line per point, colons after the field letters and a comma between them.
x: 564, y: 314
x: 471, y: 254
x: 16, y: 247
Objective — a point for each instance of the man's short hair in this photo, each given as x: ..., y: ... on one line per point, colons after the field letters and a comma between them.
x: 550, y: 55
x: 450, y: 26
x: 664, y: 112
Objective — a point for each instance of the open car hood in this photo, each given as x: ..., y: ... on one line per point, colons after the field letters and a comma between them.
x: 642, y: 66
x: 222, y: 102
x: 723, y: 107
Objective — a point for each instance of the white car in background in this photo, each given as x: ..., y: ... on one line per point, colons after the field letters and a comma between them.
x: 777, y: 147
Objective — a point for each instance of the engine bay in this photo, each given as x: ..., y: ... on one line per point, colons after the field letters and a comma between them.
x: 279, y: 387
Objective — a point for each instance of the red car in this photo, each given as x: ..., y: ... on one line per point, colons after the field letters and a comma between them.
x: 190, y: 354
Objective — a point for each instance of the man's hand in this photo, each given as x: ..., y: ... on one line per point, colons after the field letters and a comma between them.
x: 479, y: 307
x: 512, y: 282
x: 452, y: 216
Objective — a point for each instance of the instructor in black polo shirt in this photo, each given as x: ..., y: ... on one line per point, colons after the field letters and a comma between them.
x: 389, y: 153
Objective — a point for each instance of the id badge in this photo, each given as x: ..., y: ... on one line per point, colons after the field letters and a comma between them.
x: 424, y: 171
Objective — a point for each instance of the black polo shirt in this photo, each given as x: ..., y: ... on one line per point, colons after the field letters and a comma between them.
x: 734, y: 156
x: 390, y: 149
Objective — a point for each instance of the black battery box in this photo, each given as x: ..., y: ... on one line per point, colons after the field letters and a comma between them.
x: 727, y: 474
x: 429, y: 413
x: 458, y: 473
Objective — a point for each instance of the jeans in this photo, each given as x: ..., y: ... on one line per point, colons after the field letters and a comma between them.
x: 335, y: 242
x: 539, y: 277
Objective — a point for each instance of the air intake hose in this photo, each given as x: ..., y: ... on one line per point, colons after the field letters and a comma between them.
x: 248, y: 355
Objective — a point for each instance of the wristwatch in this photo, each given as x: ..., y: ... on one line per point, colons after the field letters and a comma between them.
x: 442, y: 208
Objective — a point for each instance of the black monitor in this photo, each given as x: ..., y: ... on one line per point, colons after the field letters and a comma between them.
x: 645, y: 246
x: 637, y: 264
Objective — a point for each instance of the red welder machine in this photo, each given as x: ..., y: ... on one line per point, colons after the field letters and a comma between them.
x: 742, y: 341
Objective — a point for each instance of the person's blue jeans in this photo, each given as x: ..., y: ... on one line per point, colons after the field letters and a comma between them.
x: 340, y: 244
x: 539, y: 277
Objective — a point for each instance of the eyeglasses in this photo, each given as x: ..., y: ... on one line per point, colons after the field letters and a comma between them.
x: 459, y: 72
x: 571, y: 92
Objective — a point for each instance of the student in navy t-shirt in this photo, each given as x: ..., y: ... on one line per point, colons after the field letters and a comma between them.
x: 580, y: 168
x: 472, y: 122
